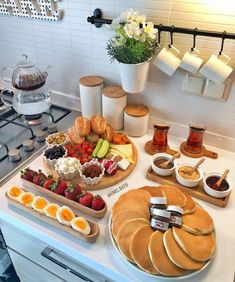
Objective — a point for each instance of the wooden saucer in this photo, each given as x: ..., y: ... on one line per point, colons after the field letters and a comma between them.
x: 203, y: 153
x: 149, y: 149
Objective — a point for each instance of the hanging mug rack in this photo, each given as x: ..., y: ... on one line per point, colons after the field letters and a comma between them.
x: 98, y: 21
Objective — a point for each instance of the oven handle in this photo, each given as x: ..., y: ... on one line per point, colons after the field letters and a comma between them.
x: 46, y: 253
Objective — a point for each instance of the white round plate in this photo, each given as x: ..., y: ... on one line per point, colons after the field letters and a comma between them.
x: 134, y: 266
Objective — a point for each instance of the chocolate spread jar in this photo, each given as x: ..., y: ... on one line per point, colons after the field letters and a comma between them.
x: 160, y: 220
x: 157, y: 203
x: 176, y: 215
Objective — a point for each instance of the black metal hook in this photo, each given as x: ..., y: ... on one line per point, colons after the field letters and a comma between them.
x: 222, y: 44
x: 194, y: 39
x: 159, y: 34
x: 171, y: 34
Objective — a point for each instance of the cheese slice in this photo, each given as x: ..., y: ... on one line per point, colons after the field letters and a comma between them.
x: 126, y: 149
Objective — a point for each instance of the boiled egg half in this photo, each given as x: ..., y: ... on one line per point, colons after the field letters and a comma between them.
x: 51, y: 209
x: 81, y: 225
x: 39, y: 203
x: 65, y: 215
x: 27, y: 198
x: 15, y: 192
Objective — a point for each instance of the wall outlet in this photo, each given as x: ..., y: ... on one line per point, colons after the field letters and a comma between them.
x: 218, y: 91
x: 193, y: 84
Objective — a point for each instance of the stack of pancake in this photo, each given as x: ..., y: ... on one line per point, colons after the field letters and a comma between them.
x: 176, y: 252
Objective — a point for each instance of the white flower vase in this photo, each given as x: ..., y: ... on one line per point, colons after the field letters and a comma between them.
x: 134, y: 76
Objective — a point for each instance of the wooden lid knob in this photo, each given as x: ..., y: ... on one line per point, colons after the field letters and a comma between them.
x: 91, y: 81
x: 136, y: 110
x: 113, y: 92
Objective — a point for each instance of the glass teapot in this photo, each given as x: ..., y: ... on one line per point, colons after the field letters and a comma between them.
x: 32, y: 97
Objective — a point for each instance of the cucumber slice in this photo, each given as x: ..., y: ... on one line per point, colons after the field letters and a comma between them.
x: 103, y: 151
x: 97, y: 147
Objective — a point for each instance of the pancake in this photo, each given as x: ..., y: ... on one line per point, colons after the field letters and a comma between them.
x: 177, y: 255
x: 154, y: 191
x: 190, y: 206
x: 198, y: 247
x: 125, y: 234
x: 174, y: 196
x: 124, y: 216
x: 142, y: 194
x: 160, y: 258
x: 198, y: 223
x: 134, y: 203
x: 139, y: 249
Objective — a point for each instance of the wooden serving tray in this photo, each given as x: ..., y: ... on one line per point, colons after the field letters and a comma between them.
x: 95, y: 230
x: 203, y: 153
x: 107, y: 180
x: 197, y: 192
x: 149, y: 149
x: 72, y: 204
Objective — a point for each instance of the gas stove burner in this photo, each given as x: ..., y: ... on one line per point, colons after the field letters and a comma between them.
x: 33, y: 119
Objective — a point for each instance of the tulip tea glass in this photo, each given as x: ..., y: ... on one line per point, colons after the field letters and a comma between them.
x: 160, y: 137
x: 194, y: 141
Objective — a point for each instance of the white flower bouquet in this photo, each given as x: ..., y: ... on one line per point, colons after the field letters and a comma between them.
x: 135, y: 39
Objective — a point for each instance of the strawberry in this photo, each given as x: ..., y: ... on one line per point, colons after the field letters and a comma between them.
x: 86, y: 199
x: 59, y: 187
x: 72, y: 191
x: 39, y: 178
x: 97, y: 203
x: 48, y: 183
x: 110, y: 167
x: 27, y: 174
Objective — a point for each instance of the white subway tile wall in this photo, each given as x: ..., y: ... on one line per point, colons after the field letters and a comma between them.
x: 75, y: 48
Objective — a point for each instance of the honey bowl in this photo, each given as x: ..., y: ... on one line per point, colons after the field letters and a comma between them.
x: 185, y: 178
x: 225, y: 187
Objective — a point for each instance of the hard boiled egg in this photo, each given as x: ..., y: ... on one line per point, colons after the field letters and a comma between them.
x: 65, y: 215
x: 81, y: 225
x: 39, y: 203
x: 15, y: 192
x: 51, y: 209
x: 27, y: 198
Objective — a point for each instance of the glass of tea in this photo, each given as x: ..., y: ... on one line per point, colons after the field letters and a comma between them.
x: 160, y: 137
x: 194, y: 141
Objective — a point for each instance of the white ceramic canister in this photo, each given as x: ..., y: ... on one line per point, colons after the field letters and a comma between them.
x: 90, y: 95
x: 113, y: 103
x: 136, y: 117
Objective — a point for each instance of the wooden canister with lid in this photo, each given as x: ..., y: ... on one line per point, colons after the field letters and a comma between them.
x: 114, y: 101
x: 136, y: 117
x: 90, y: 95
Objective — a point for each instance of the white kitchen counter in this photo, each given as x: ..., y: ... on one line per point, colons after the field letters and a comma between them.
x: 101, y: 255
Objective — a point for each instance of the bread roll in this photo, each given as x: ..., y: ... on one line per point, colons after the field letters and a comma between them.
x: 108, y: 133
x: 82, y: 125
x: 74, y: 137
x: 98, y: 124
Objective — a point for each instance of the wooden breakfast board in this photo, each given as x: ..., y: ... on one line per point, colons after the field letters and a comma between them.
x: 148, y: 147
x: 204, y: 152
x: 197, y: 192
x: 72, y: 204
x: 95, y: 230
x: 107, y: 180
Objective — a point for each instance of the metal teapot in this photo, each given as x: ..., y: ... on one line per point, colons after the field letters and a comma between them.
x: 32, y: 97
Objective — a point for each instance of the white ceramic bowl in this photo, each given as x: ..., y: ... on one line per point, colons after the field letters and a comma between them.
x: 50, y: 145
x: 53, y: 161
x: 162, y: 171
x: 67, y: 168
x: 89, y: 180
x: 187, y: 182
x: 215, y: 193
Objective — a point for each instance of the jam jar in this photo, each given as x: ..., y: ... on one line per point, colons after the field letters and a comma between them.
x: 176, y: 215
x: 160, y: 220
x: 157, y: 203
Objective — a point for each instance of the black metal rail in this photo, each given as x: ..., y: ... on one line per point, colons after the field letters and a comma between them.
x: 97, y: 20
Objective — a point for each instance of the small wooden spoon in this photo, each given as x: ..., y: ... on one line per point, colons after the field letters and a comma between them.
x: 165, y: 164
x: 196, y: 166
x: 217, y: 184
